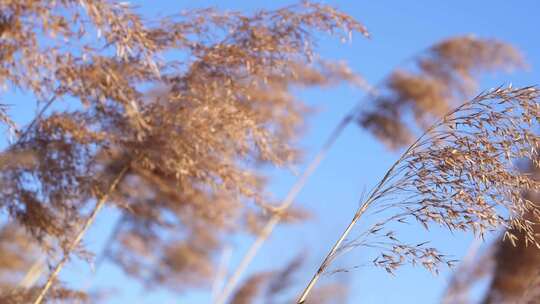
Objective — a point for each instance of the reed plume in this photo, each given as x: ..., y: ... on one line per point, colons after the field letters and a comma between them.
x: 460, y: 175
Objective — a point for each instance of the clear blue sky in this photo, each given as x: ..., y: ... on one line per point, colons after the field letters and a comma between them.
x: 399, y: 29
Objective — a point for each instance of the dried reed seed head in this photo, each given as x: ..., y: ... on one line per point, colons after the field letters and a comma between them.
x: 440, y: 78
x: 191, y: 149
x: 461, y: 175
x: 515, y: 275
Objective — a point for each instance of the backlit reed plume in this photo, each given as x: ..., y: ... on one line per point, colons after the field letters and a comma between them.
x: 459, y: 175
x: 184, y: 165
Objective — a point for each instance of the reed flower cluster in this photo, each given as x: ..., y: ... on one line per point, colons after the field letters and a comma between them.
x: 460, y: 174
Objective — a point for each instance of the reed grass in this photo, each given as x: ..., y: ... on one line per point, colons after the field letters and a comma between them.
x: 460, y: 175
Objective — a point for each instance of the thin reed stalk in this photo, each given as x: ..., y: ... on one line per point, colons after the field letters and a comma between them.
x: 87, y: 224
x: 327, y: 260
x: 285, y: 204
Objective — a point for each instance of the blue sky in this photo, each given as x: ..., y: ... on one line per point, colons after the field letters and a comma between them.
x: 399, y: 30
